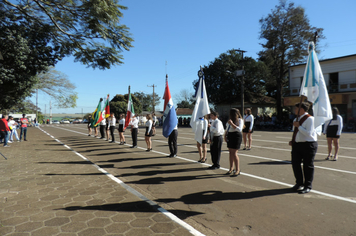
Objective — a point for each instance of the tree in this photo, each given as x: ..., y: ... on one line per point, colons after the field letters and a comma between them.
x: 286, y: 32
x: 25, y: 53
x: 223, y: 87
x: 56, y: 85
x: 185, y: 99
x: 88, y: 30
x: 118, y: 104
x: 146, y: 100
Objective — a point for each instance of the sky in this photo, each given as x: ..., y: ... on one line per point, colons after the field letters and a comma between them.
x: 176, y: 37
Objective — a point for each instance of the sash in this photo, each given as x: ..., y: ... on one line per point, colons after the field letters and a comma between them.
x: 301, y: 121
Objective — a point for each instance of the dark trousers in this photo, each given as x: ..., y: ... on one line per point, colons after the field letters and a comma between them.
x: 112, y: 129
x: 24, y: 132
x: 172, y: 142
x: 304, y: 152
x: 4, y: 135
x: 215, y: 150
x: 134, y: 136
x: 102, y: 130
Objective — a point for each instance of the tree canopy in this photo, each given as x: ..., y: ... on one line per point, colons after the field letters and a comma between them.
x: 58, y: 87
x: 285, y: 32
x: 118, y: 104
x: 146, y: 100
x: 221, y: 84
x: 88, y: 30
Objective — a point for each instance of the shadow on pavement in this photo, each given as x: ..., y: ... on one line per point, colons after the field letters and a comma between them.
x: 137, y: 206
x: 208, y: 197
x: 162, y: 180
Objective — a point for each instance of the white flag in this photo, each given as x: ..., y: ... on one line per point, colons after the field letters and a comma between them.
x: 201, y: 107
x: 314, y: 88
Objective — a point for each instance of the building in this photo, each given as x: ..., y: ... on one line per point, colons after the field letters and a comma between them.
x: 340, y: 79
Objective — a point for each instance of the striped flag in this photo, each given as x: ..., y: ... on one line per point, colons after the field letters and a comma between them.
x: 107, y: 108
x: 314, y: 88
x: 130, y: 110
x: 96, y: 115
x: 169, y: 115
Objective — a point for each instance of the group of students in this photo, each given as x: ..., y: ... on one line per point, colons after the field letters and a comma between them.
x: 8, y: 128
x: 238, y: 128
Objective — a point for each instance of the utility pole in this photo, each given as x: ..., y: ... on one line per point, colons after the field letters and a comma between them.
x: 36, y: 106
x: 50, y: 111
x: 153, y: 96
x: 45, y: 113
x: 242, y: 80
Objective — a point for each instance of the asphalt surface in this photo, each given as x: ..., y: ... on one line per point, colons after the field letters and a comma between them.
x: 63, y: 182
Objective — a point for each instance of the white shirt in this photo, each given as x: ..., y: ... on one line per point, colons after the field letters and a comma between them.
x: 306, y: 132
x: 154, y: 119
x: 331, y: 122
x: 103, y: 122
x: 239, y: 128
x: 112, y: 121
x: 149, y: 125
x: 216, y: 128
x: 249, y: 118
x: 134, y: 123
x: 122, y: 121
x: 11, y: 124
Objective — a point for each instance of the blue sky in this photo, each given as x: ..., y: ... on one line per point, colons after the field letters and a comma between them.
x: 190, y: 33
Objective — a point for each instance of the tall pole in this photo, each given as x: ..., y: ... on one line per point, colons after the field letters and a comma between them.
x: 50, y: 111
x: 242, y: 82
x: 36, y: 106
x: 153, y: 96
x: 45, y: 112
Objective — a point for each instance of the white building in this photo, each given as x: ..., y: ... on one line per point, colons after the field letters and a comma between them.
x: 340, y: 78
x: 30, y: 117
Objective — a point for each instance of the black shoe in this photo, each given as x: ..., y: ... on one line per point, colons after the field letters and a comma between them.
x: 133, y: 147
x: 25, y: 140
x: 112, y: 142
x: 148, y: 150
x: 297, y: 187
x: 213, y: 167
x: 305, y: 190
x: 101, y: 138
x: 170, y: 156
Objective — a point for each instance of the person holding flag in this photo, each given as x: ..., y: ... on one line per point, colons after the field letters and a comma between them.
x: 197, y: 121
x: 306, y: 127
x: 170, y: 122
x: 96, y: 118
x: 122, y: 129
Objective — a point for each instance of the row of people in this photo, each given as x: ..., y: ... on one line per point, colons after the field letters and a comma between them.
x: 8, y: 129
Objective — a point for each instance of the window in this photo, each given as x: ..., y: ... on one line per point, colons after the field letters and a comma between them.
x: 333, y: 82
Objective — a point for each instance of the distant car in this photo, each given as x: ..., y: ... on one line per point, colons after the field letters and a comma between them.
x: 65, y: 122
x: 85, y: 121
x: 77, y: 121
x: 55, y: 122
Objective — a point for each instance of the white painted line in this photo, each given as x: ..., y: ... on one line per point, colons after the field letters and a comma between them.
x: 268, y: 180
x: 138, y: 194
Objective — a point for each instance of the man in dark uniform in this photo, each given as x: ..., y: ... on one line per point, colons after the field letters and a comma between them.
x: 304, y: 147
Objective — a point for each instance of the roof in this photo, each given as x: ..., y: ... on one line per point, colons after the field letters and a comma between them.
x: 184, y: 111
x: 329, y: 59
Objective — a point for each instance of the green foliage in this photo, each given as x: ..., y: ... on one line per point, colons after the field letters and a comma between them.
x: 118, y: 104
x: 286, y: 32
x: 26, y: 106
x: 56, y: 85
x: 25, y: 52
x: 221, y: 84
x: 88, y: 30
x: 146, y: 101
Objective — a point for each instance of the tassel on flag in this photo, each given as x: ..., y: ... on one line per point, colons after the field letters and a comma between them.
x: 314, y: 88
x: 130, y: 110
x: 169, y: 115
x: 201, y: 107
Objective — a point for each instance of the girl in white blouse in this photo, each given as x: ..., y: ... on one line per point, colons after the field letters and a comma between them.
x: 333, y: 129
x: 122, y: 129
x: 233, y: 137
x: 148, y: 132
x: 248, y: 130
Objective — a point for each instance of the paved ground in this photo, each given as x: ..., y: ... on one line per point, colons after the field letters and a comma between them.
x: 48, y: 189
